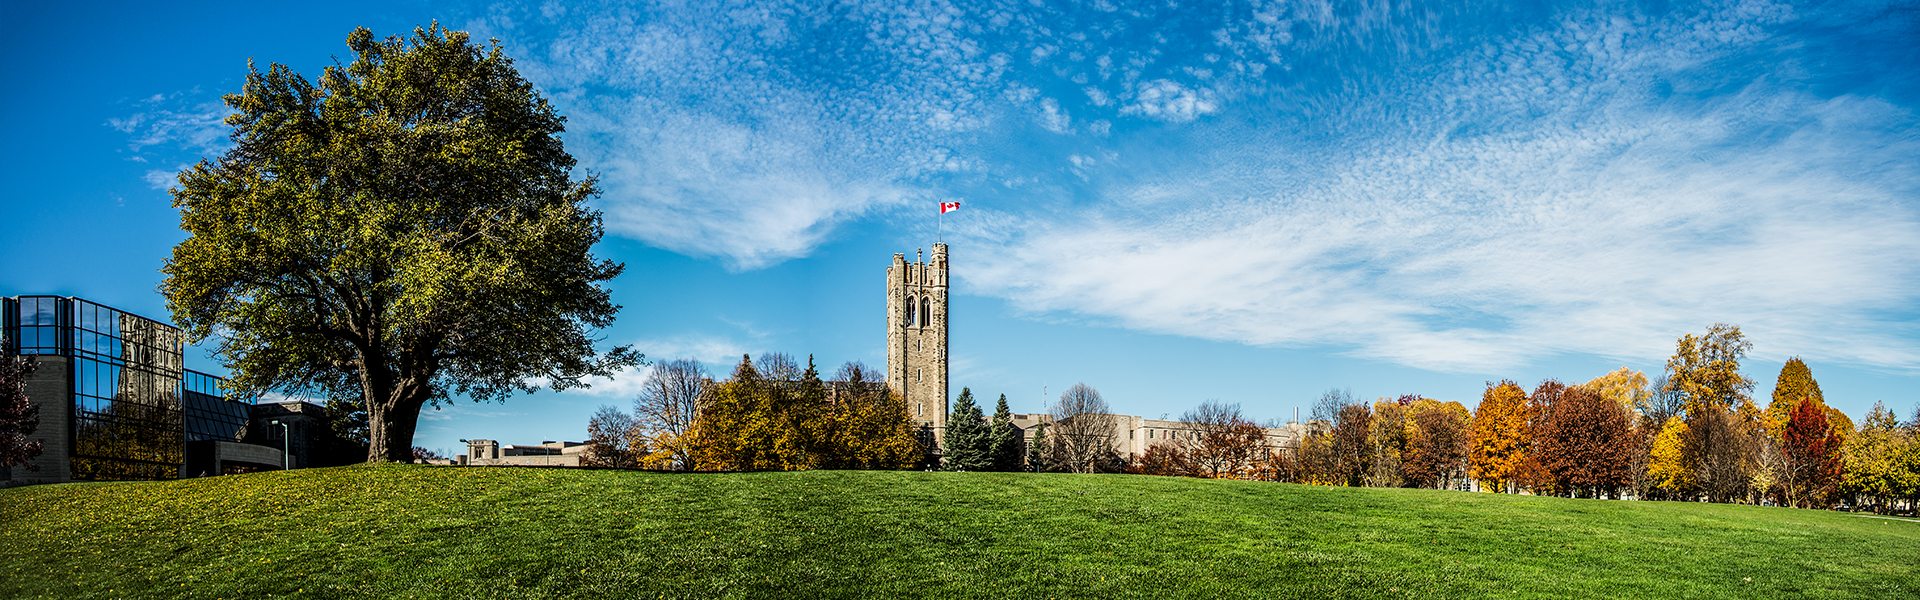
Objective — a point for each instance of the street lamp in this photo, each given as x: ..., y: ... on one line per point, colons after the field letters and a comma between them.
x: 286, y: 445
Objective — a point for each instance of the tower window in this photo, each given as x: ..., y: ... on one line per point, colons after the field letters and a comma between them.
x: 910, y: 306
x: 919, y: 409
x: 925, y: 307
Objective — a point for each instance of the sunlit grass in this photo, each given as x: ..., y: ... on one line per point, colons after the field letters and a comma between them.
x: 438, y: 532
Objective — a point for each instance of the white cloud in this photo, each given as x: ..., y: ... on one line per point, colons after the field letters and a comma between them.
x: 1604, y: 223
x: 1171, y: 101
x: 197, y: 128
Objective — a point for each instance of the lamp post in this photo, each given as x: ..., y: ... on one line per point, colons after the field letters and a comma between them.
x: 286, y: 445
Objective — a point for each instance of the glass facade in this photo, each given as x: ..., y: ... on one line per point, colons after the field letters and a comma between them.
x: 134, y: 405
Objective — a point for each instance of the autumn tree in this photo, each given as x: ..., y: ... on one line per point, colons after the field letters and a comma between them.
x: 1584, y: 445
x: 664, y: 411
x: 1794, y: 385
x: 405, y: 231
x: 1352, y: 454
x: 1813, y: 456
x: 968, y: 440
x: 1872, y: 470
x: 1166, y: 459
x: 19, y: 418
x: 1223, y: 442
x: 1624, y: 386
x: 1706, y: 371
x: 1004, y: 439
x: 1437, y: 443
x: 1668, y: 474
x: 734, y: 429
x: 1499, y: 436
x: 872, y: 428
x: 1082, y: 431
x: 1387, y: 440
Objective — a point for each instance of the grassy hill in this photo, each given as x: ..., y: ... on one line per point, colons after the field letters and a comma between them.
x: 427, y: 532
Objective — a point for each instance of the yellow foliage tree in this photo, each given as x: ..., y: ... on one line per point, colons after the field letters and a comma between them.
x: 1500, y: 436
x: 1667, y: 467
x: 1623, y: 385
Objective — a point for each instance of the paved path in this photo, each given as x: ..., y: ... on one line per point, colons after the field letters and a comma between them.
x: 1889, y: 518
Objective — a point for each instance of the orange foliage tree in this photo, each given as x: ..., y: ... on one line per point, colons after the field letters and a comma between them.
x: 1499, y: 436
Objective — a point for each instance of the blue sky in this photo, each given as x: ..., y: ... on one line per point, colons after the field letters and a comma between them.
x: 1172, y: 202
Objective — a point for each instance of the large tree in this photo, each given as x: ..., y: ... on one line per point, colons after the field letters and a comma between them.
x: 1585, y: 445
x: 1706, y: 371
x: 402, y: 231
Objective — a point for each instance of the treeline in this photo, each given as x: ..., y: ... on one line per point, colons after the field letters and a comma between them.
x: 1695, y: 434
x: 774, y: 416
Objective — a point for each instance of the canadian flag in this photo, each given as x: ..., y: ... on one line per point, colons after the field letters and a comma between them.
x: 947, y: 207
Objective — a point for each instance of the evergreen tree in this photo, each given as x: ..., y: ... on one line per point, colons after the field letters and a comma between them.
x: 968, y: 439
x: 1039, y: 454
x: 1005, y: 448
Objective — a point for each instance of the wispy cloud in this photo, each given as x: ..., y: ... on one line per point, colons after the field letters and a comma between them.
x: 1440, y: 231
x: 1463, y: 189
x: 171, y: 127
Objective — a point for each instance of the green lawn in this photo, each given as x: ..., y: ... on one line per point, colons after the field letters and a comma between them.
x: 442, y: 532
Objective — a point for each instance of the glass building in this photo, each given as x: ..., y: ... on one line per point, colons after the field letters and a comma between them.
x: 133, y: 409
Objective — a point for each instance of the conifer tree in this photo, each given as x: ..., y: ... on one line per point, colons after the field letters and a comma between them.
x: 1039, y: 455
x: 969, y: 443
x: 1005, y: 451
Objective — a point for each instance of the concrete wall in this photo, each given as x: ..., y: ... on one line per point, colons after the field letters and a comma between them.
x: 50, y: 389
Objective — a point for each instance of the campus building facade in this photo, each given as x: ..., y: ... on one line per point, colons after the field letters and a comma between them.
x: 117, y: 403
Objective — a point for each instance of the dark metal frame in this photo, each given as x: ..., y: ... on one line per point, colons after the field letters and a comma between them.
x: 108, y: 374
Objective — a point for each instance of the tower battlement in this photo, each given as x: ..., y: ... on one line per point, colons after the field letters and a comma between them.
x: 917, y: 335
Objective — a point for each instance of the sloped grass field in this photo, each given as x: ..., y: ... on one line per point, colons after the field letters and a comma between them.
x: 441, y: 532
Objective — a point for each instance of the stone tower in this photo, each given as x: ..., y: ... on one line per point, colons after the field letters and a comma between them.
x: 917, y: 336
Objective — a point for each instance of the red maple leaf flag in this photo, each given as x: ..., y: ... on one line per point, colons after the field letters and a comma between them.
x: 947, y: 207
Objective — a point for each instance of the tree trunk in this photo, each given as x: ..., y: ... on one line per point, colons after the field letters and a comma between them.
x: 390, y: 428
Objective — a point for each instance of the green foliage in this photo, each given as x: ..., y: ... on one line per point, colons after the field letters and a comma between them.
x: 1005, y: 438
x: 405, y: 230
x: 968, y: 439
x: 749, y: 423
x: 438, y: 532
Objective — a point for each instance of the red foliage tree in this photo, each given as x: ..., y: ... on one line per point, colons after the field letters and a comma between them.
x: 1583, y: 445
x: 1437, y: 448
x: 1163, y: 459
x: 1813, y: 455
x: 1533, y: 473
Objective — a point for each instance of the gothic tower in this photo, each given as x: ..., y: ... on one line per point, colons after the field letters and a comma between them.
x: 917, y: 336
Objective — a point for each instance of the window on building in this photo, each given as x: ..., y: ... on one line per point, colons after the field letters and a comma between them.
x: 910, y: 312
x: 925, y: 307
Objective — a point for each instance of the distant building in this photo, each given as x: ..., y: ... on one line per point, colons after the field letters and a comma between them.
x: 116, y: 402
x: 546, y: 454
